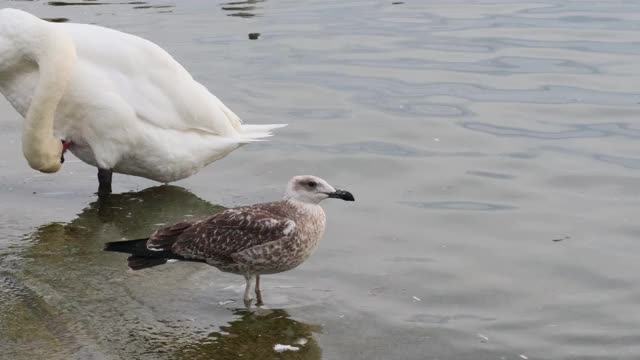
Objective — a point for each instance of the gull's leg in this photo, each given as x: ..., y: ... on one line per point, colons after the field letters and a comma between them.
x: 247, y: 290
x: 258, y: 292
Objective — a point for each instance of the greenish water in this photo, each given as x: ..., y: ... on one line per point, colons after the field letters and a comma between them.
x: 492, y: 147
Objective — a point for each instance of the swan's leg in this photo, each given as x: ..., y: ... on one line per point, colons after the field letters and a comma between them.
x: 258, y: 292
x: 247, y: 290
x: 104, y: 179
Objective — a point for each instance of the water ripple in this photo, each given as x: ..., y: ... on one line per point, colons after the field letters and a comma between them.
x: 364, y: 147
x: 458, y: 205
x: 401, y: 97
x: 579, y: 131
x: 501, y: 65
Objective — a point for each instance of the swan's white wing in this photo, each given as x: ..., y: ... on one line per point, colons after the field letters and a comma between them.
x: 158, y: 89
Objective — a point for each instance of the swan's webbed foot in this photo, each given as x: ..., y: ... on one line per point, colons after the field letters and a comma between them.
x: 104, y: 180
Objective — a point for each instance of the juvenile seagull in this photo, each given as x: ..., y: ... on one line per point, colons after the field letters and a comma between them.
x: 250, y: 240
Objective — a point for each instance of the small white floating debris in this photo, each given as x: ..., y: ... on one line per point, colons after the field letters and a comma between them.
x: 436, y: 139
x: 415, y: 298
x: 223, y: 303
x: 302, y: 341
x: 281, y: 348
x: 172, y: 261
x: 340, y: 316
x: 524, y: 357
x: 482, y: 337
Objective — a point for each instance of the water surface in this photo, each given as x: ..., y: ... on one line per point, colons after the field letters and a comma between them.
x: 492, y: 147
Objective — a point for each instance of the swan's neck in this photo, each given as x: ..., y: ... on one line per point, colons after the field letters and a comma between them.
x: 54, y: 53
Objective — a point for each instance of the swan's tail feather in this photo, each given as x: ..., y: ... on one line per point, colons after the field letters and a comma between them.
x: 248, y: 133
x: 251, y: 133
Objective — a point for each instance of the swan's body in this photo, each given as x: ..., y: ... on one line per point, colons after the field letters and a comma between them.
x: 123, y: 103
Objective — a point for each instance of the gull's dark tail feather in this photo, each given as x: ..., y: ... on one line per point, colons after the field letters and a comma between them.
x: 141, y: 257
x: 136, y: 262
x: 133, y: 247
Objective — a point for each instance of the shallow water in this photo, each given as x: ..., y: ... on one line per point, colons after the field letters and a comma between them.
x: 491, y: 147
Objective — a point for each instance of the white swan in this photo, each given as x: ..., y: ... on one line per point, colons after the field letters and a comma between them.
x: 117, y: 101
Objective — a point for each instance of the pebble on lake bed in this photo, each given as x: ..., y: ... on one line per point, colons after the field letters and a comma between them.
x: 254, y: 36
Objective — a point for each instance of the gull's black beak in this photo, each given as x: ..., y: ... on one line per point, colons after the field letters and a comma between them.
x: 342, y: 194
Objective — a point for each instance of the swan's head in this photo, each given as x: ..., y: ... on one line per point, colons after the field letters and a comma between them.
x: 46, y: 156
x: 312, y: 190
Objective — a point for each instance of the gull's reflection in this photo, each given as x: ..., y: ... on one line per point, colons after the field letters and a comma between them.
x: 253, y: 336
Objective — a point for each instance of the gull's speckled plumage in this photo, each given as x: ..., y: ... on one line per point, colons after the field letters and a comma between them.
x: 250, y: 240
x: 258, y: 239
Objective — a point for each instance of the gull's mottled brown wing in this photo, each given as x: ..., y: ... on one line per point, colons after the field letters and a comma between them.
x: 163, y: 238
x: 231, y: 231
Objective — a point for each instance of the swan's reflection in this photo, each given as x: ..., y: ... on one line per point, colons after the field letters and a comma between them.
x: 94, y: 302
x: 127, y: 215
x: 68, y: 257
x: 253, y: 336
x: 61, y: 275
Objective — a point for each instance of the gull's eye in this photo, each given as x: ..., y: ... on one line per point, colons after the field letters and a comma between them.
x: 312, y: 184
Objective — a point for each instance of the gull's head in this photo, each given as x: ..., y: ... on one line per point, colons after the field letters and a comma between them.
x: 312, y: 190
